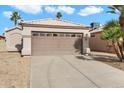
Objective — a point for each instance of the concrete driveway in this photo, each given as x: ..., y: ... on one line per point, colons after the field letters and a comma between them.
x: 73, y: 72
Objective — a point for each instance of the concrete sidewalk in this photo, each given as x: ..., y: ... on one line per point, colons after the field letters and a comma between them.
x: 73, y: 72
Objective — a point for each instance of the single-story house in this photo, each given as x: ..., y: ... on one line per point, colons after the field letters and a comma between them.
x: 48, y: 37
x: 97, y: 44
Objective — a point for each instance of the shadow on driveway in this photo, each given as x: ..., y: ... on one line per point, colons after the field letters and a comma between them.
x: 104, y: 57
x: 107, y: 58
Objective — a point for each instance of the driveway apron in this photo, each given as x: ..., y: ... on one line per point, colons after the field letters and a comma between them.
x: 72, y: 72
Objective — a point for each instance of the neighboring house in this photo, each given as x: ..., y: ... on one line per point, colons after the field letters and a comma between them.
x: 2, y: 37
x: 96, y: 44
x: 49, y: 37
x: 13, y: 39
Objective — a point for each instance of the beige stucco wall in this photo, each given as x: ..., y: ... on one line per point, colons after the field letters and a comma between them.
x: 96, y: 44
x: 14, y: 40
x: 26, y: 34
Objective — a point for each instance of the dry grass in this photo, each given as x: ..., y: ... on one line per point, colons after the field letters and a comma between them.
x: 14, y: 69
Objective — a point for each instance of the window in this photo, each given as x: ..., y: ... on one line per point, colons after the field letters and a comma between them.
x: 79, y: 35
x: 67, y: 35
x: 73, y: 35
x: 49, y: 34
x: 61, y: 35
x: 55, y: 35
x: 42, y: 34
x: 35, y: 34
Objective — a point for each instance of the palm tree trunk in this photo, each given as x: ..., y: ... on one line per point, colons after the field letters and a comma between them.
x: 121, y: 21
x: 120, y: 45
x: 121, y: 50
x: 116, y: 50
x: 15, y: 22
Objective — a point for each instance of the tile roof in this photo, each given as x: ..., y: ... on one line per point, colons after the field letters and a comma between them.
x: 50, y: 21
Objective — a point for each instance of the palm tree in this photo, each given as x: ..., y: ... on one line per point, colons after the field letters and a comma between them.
x: 112, y: 31
x: 118, y: 9
x: 15, y: 17
x: 58, y: 15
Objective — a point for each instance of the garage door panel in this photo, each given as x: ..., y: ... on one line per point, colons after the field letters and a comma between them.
x: 54, y: 45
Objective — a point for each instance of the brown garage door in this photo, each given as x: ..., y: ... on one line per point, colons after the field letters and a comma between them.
x: 56, y: 43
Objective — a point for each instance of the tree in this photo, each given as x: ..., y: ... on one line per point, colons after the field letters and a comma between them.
x: 58, y: 15
x: 112, y: 31
x: 118, y: 9
x: 15, y: 17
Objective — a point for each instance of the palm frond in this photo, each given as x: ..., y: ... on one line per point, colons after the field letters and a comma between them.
x: 112, y: 12
x: 111, y: 30
x: 118, y: 7
x: 111, y: 7
x: 15, y: 17
x: 114, y: 9
x: 111, y: 23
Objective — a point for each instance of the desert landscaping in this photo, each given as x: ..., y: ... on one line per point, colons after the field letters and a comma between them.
x: 14, y: 69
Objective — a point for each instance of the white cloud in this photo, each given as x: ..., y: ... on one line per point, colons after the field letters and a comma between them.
x: 50, y: 9
x: 90, y: 10
x: 32, y: 9
x: 65, y: 9
x: 7, y: 13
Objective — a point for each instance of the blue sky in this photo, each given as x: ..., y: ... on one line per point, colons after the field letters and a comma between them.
x: 77, y: 13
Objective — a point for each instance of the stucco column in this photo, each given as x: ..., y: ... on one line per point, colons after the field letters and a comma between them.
x: 26, y: 49
x: 86, y: 37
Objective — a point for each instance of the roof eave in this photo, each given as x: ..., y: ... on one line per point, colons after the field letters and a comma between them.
x: 53, y: 26
x: 13, y: 29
